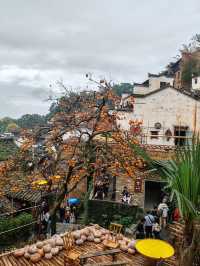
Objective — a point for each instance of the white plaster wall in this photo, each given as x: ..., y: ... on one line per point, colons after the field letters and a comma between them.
x: 140, y: 89
x: 124, y: 118
x: 170, y: 108
x: 154, y: 84
x: 196, y: 86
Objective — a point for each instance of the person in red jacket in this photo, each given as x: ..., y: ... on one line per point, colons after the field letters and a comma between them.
x: 176, y: 215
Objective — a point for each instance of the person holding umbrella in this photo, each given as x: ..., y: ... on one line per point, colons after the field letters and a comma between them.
x: 73, y: 202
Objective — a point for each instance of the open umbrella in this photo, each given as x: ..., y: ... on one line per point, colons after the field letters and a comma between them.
x: 73, y: 201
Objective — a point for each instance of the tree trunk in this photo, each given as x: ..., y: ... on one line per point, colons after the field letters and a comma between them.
x: 86, y: 201
x: 53, y: 224
x: 54, y: 205
x: 65, y: 191
x: 53, y: 210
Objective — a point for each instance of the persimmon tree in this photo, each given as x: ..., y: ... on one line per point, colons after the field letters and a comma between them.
x: 82, y: 135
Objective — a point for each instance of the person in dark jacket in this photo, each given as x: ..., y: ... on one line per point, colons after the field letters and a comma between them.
x: 139, y: 231
x: 154, y: 212
x: 149, y: 221
x: 62, y: 212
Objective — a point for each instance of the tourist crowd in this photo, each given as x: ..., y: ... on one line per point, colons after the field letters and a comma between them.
x: 154, y: 221
x: 101, y: 189
x: 68, y: 213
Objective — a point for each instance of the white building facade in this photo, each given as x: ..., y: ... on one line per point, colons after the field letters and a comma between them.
x: 169, y: 116
x: 196, y: 83
x: 153, y: 82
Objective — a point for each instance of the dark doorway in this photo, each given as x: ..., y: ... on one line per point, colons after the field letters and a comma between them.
x: 180, y: 131
x: 153, y: 193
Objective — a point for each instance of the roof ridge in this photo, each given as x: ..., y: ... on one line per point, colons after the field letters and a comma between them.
x: 182, y: 91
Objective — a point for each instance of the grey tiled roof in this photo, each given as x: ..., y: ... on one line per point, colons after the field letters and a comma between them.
x: 190, y: 93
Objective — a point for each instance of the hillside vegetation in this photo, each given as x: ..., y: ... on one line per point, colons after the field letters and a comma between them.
x: 7, y: 148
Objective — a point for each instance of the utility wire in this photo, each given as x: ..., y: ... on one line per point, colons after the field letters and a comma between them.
x: 10, y: 213
x: 16, y: 228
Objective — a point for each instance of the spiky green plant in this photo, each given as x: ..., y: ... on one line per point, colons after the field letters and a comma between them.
x: 182, y: 174
x: 183, y: 178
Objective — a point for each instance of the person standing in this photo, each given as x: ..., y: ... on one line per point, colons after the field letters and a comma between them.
x: 95, y: 190
x: 163, y: 213
x: 106, y: 185
x: 62, y: 212
x: 126, y: 197
x: 44, y: 205
x: 100, y: 193
x: 149, y: 220
x: 45, y: 221
x: 176, y: 215
x: 156, y: 229
x: 67, y: 215
x: 75, y: 212
x: 154, y: 212
x: 139, y: 231
x: 72, y: 218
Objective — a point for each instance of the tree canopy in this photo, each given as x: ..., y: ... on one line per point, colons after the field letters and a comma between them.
x: 31, y: 121
x: 82, y: 138
x: 12, y: 128
x: 4, y: 122
x: 27, y: 121
x: 121, y: 88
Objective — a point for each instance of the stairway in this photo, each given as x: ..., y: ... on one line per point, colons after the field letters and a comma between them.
x: 62, y: 227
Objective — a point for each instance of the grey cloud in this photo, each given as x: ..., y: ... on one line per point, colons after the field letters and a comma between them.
x: 40, y: 93
x: 17, y: 100
x: 43, y: 41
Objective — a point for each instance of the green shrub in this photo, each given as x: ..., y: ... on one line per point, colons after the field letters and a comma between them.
x: 190, y: 67
x: 117, y: 218
x: 140, y: 214
x: 18, y: 234
x: 126, y: 221
x: 7, y: 148
x: 105, y: 212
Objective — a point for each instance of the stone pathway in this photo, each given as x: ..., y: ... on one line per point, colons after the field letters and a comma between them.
x: 62, y: 228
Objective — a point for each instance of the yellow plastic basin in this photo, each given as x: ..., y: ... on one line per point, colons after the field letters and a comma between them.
x: 154, y: 248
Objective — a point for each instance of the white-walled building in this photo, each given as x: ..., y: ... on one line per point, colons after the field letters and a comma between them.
x: 167, y: 114
x: 196, y: 83
x: 153, y: 82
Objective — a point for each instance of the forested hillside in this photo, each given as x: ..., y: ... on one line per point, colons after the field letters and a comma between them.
x: 7, y: 148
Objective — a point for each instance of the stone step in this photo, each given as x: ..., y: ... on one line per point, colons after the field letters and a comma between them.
x: 62, y: 227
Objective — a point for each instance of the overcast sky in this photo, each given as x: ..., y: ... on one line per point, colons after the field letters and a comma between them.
x: 42, y: 41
